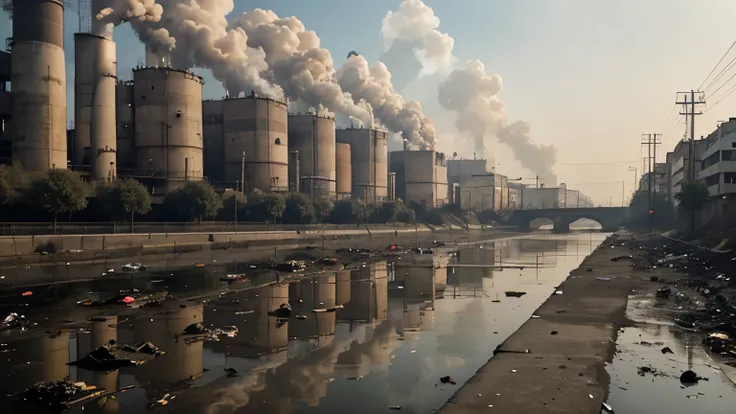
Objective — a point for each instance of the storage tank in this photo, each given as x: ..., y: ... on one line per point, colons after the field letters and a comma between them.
x: 168, y: 123
x: 38, y: 76
x: 369, y: 153
x: 94, y: 104
x: 257, y: 126
x: 214, y: 156
x: 125, y: 122
x: 343, y: 172
x: 314, y: 137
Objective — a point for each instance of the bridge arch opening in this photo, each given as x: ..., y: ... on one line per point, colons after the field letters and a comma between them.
x: 585, y: 223
x: 542, y: 223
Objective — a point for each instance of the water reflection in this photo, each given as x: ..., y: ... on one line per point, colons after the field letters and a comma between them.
x: 384, y: 333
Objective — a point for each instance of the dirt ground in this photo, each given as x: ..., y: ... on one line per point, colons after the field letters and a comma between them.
x: 570, y: 339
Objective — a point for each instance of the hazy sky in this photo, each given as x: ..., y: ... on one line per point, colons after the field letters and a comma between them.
x: 589, y: 75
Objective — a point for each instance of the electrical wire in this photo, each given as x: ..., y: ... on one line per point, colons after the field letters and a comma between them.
x: 600, y: 163
x: 724, y: 96
x: 722, y: 85
x: 721, y: 73
x: 716, y: 66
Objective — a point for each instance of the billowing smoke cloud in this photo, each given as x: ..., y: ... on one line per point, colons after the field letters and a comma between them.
x: 298, y: 64
x: 196, y: 34
x: 373, y: 85
x: 472, y: 93
x: 127, y: 10
x: 413, y: 29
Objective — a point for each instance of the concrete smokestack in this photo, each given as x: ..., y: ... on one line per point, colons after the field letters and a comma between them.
x: 38, y: 76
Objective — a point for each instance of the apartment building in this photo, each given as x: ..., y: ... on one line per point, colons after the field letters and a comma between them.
x: 718, y: 166
x: 677, y: 168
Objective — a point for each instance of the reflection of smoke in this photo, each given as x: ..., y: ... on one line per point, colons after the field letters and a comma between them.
x: 373, y: 85
x: 472, y: 93
x: 237, y: 395
x: 412, y: 39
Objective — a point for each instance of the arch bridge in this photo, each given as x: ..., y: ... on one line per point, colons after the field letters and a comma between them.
x: 610, y: 218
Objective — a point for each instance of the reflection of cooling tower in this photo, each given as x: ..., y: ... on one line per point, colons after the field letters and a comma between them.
x: 258, y: 332
x: 308, y: 296
x: 368, y: 294
x: 35, y: 359
x: 418, y: 280
x: 103, y: 329
x: 182, y: 361
x: 342, y: 287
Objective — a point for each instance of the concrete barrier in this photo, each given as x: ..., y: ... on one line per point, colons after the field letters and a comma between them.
x: 18, y: 246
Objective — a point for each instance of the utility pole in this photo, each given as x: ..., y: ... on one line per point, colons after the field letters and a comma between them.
x: 242, y: 173
x: 691, y: 112
x: 651, y: 142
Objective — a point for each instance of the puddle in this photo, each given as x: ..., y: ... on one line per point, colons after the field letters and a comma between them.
x: 383, y: 334
x: 663, y: 393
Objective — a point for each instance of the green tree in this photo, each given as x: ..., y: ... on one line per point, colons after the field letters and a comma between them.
x: 233, y: 206
x: 348, y: 211
x: 60, y: 191
x: 194, y: 201
x: 299, y: 209
x: 663, y: 214
x: 692, y: 198
x: 12, y: 179
x: 263, y: 207
x: 126, y: 197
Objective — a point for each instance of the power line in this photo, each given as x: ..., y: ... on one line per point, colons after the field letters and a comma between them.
x: 601, y: 163
x: 721, y: 73
x: 726, y: 95
x: 716, y: 66
x: 722, y: 85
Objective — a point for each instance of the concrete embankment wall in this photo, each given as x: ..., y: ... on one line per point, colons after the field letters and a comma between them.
x: 19, y: 246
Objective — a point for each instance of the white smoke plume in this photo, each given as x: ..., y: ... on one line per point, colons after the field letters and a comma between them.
x: 195, y: 33
x: 127, y: 10
x: 472, y: 93
x: 415, y: 24
x: 298, y: 64
x: 373, y: 84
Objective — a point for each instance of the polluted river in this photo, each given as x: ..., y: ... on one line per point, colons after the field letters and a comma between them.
x: 403, y: 333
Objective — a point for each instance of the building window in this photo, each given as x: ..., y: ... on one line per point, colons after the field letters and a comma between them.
x: 278, y: 141
x: 728, y: 155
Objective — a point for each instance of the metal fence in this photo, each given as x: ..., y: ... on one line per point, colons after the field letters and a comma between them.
x: 47, y: 228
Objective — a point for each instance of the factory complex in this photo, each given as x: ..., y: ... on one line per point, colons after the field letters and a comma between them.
x: 158, y: 129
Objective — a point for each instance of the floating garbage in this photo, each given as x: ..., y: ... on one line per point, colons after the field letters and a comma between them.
x: 447, y: 380
x: 163, y: 401
x: 133, y: 267
x: 112, y: 356
x: 231, y: 278
x: 64, y: 394
x: 514, y: 294
x: 13, y: 320
x: 283, y: 311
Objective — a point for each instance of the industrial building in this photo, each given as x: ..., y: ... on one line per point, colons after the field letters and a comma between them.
x: 313, y: 137
x: 246, y: 141
x: 369, y: 152
x: 542, y: 198
x: 421, y: 177
x: 487, y: 191
x: 343, y: 171
x: 38, y: 78
x: 462, y: 168
x: 168, y: 125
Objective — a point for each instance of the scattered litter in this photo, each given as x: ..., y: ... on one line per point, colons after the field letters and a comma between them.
x: 604, y: 279
x: 64, y: 394
x: 553, y: 333
x: 590, y: 396
x: 231, y: 372
x: 162, y: 402
x: 248, y: 312
x: 301, y: 317
x: 558, y: 292
x: 394, y: 407
x: 13, y: 320
x: 133, y: 267
x: 690, y: 377
x: 112, y: 356
x: 606, y: 407
x: 27, y: 293
x: 692, y: 397
x: 514, y: 294
x: 283, y: 311
x: 447, y: 380
x: 667, y: 350
x: 617, y: 258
